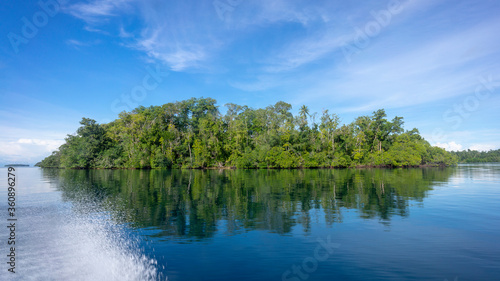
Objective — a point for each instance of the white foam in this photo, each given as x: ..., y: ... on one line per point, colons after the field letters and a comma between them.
x: 69, y: 242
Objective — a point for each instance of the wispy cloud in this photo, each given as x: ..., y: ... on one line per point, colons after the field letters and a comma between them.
x: 77, y: 44
x: 438, y: 69
x: 308, y: 50
x: 326, y: 29
x: 124, y: 34
x: 431, y: 64
x: 166, y: 33
x: 97, y: 10
x: 265, y: 13
x: 96, y: 30
x: 179, y: 56
x: 188, y: 35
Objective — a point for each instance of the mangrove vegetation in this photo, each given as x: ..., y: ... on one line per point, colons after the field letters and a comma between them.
x: 194, y: 134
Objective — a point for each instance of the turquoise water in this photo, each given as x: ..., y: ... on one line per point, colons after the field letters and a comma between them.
x: 380, y: 224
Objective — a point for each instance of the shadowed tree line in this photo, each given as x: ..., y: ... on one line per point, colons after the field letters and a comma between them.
x: 194, y: 134
x: 474, y: 156
x: 195, y: 204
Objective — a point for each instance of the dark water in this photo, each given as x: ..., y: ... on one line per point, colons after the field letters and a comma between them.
x: 402, y: 224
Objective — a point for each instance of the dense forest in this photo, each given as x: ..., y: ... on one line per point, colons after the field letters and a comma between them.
x: 194, y: 134
x: 473, y: 156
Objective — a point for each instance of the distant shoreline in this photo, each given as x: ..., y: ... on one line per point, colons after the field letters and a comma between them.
x: 267, y: 168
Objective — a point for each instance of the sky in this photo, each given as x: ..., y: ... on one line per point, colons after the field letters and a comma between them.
x: 434, y: 62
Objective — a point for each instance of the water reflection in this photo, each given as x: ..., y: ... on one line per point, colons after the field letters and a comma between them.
x: 194, y: 204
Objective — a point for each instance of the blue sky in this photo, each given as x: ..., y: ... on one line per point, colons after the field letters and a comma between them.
x: 436, y: 63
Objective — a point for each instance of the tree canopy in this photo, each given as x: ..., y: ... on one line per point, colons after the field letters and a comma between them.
x: 194, y: 134
x: 474, y: 156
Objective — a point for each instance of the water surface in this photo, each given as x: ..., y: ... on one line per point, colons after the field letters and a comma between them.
x: 368, y: 224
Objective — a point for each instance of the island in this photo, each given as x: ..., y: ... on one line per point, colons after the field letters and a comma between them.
x: 195, y: 134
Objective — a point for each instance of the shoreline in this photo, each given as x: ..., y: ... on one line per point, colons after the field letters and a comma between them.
x: 267, y: 168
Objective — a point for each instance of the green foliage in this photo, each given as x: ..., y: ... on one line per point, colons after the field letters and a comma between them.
x: 474, y: 156
x: 51, y: 161
x: 193, y: 134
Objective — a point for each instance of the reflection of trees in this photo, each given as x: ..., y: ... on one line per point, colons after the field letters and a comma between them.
x: 195, y: 203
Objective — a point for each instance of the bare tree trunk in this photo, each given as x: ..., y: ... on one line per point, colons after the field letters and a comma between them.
x: 333, y: 142
x: 190, y: 157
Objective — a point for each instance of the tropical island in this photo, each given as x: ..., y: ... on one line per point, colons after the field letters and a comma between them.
x: 194, y: 134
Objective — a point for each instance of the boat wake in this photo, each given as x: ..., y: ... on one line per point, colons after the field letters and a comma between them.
x: 64, y: 241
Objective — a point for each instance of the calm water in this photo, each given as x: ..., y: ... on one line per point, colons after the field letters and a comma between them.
x: 404, y: 224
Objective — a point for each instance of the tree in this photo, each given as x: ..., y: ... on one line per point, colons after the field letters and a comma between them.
x: 328, y: 127
x: 193, y: 134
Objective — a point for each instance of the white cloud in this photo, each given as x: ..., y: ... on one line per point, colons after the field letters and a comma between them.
x: 29, y: 134
x: 449, y: 146
x: 27, y: 150
x: 467, y: 138
x: 483, y: 147
x: 50, y: 145
x: 97, y: 10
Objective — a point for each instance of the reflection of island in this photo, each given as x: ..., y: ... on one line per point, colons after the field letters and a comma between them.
x: 196, y: 204
x: 17, y: 165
